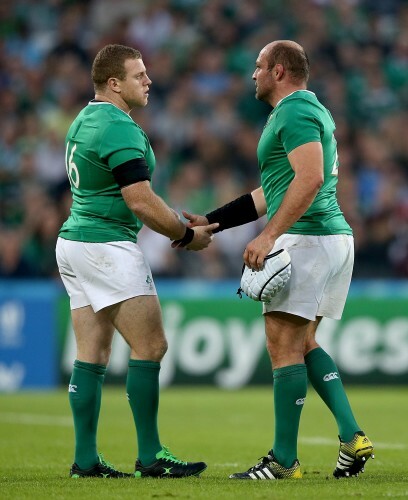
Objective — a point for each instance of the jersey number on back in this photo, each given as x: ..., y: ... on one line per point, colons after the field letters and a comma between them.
x: 335, y: 166
x: 72, y: 169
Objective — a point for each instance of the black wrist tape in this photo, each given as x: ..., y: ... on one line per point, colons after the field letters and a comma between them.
x: 235, y: 213
x: 186, y: 239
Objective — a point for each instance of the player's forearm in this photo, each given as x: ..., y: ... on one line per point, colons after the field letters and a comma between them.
x: 160, y: 218
x: 238, y: 212
x: 259, y: 201
x: 153, y: 211
x: 175, y: 232
x: 297, y: 200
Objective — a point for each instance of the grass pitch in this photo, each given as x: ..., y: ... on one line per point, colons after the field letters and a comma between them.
x: 227, y: 429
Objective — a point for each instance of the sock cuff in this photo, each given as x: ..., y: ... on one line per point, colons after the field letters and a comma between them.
x: 315, y: 354
x: 91, y: 367
x: 288, y: 371
x: 142, y: 363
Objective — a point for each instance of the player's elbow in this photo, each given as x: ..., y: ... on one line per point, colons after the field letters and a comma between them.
x: 319, y: 181
x: 310, y: 183
x: 311, y: 187
x: 138, y: 207
x: 315, y: 182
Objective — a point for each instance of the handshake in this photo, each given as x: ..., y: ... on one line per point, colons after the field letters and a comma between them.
x: 198, y: 238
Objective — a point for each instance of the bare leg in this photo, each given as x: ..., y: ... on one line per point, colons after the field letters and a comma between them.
x: 93, y: 333
x: 310, y: 339
x: 139, y: 321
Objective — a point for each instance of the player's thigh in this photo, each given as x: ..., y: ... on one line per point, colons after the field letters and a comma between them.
x: 139, y: 321
x: 310, y: 338
x: 93, y: 333
x: 285, y: 336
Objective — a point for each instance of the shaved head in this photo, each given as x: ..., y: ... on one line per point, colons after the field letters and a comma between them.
x: 291, y: 56
x: 285, y: 43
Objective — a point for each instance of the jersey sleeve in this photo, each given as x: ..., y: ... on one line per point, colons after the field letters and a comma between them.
x: 296, y: 124
x: 122, y: 142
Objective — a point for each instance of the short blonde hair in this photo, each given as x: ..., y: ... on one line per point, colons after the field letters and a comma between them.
x: 109, y: 62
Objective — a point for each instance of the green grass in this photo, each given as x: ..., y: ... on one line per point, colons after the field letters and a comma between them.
x: 228, y: 430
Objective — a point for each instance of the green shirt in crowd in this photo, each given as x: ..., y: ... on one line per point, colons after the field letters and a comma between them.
x: 297, y: 119
x: 101, y: 138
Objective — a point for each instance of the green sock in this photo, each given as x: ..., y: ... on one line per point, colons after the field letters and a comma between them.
x: 85, y: 393
x: 324, y: 376
x: 289, y: 389
x: 143, y: 393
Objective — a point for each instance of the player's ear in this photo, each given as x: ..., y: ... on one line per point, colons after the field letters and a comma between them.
x: 278, y: 71
x: 114, y: 84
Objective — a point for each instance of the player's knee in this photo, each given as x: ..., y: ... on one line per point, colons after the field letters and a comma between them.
x: 269, y: 348
x: 163, y: 348
x: 158, y: 349
x: 310, y: 344
x: 99, y: 355
x: 276, y: 348
x: 105, y: 355
x: 283, y: 354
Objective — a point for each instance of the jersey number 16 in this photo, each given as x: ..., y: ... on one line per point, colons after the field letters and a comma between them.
x: 72, y: 169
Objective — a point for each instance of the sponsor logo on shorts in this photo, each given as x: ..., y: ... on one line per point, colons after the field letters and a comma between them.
x: 72, y: 388
x: 330, y: 376
x: 300, y: 401
x: 149, y: 279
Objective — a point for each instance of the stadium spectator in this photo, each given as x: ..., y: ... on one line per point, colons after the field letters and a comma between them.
x: 198, y: 53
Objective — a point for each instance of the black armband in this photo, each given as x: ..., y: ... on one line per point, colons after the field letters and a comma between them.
x: 132, y: 171
x: 237, y: 212
x: 186, y: 239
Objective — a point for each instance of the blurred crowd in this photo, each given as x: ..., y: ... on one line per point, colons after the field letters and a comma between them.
x: 202, y: 118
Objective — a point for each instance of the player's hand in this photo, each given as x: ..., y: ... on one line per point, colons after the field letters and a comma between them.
x: 256, y: 251
x: 203, y: 236
x: 195, y: 219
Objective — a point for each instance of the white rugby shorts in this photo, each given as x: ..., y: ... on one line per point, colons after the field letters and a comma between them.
x: 321, y: 273
x: 102, y: 274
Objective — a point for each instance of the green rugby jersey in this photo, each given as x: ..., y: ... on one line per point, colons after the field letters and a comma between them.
x: 297, y: 119
x: 101, y: 138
